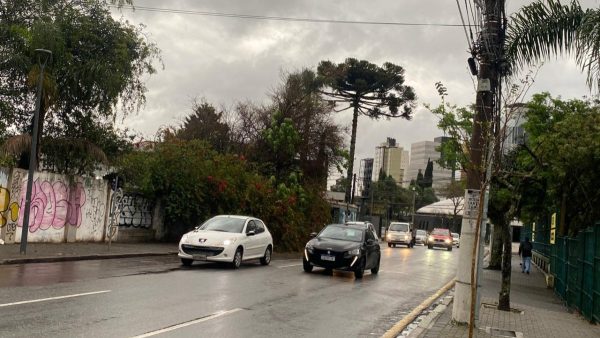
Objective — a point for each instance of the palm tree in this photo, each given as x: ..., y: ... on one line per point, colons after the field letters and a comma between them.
x: 547, y: 27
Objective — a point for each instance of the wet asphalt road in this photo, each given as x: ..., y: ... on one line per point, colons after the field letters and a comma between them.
x: 136, y: 296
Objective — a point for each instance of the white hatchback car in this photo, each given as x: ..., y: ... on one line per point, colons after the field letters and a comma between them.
x: 227, y: 238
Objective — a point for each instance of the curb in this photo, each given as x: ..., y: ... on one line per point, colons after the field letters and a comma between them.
x: 53, y: 259
x: 409, y: 318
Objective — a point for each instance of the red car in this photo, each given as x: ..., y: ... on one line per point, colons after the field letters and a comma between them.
x: 441, y: 238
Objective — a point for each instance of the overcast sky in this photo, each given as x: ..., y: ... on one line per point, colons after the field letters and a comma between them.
x: 227, y: 60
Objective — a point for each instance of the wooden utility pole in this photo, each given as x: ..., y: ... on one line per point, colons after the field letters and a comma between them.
x: 489, y: 55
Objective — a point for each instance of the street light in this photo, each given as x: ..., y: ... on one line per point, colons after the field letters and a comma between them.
x: 43, y: 57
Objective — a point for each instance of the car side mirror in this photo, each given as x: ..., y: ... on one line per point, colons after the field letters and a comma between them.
x: 313, y: 234
x: 251, y: 233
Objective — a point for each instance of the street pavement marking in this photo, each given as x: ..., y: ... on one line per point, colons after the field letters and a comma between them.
x: 289, y: 266
x: 191, y: 322
x: 54, y: 298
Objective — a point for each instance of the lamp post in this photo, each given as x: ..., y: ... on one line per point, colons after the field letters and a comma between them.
x: 413, y: 205
x: 43, y: 57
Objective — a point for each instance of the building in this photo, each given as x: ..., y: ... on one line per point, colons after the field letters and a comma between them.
x: 390, y: 159
x: 420, y: 153
x: 515, y: 132
x: 365, y: 176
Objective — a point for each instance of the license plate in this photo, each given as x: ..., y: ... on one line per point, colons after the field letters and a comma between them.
x: 199, y: 257
x: 328, y: 258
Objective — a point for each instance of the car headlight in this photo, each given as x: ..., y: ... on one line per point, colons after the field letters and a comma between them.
x: 354, y: 252
x: 448, y: 240
x: 309, y: 248
x: 431, y: 238
x: 229, y: 241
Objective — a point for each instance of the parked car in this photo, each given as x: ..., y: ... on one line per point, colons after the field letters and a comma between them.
x: 421, y: 237
x: 227, y: 238
x: 346, y: 247
x: 367, y: 225
x: 440, y: 238
x: 399, y: 233
x: 456, y: 239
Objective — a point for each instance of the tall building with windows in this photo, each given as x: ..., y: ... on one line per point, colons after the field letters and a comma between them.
x: 390, y: 159
x: 365, y: 176
x: 420, y: 153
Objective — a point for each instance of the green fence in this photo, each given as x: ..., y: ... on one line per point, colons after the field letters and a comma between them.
x: 575, y: 265
x: 540, y: 237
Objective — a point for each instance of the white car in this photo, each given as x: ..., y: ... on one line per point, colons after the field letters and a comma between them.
x: 456, y: 239
x: 227, y: 238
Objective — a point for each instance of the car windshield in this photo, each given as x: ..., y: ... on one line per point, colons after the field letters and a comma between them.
x: 421, y: 232
x: 455, y: 235
x: 442, y: 232
x: 342, y: 233
x: 399, y: 227
x: 224, y: 224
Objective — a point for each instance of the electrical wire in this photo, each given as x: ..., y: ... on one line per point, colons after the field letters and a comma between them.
x: 281, y: 18
x: 462, y: 19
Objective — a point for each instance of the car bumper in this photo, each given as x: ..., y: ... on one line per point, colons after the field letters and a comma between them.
x: 440, y: 244
x: 207, y: 253
x: 342, y: 261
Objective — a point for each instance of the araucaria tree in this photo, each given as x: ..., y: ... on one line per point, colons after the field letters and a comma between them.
x: 369, y: 90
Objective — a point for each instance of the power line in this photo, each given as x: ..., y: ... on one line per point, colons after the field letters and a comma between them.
x: 282, y: 18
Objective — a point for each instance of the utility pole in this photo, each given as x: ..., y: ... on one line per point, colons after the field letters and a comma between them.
x: 44, y: 57
x: 489, y: 53
x: 413, y: 206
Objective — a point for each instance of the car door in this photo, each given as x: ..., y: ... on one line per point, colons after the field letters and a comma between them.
x: 252, y: 242
x: 372, y: 249
x: 262, y: 235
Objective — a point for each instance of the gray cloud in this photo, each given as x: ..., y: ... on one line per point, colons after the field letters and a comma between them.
x: 227, y: 60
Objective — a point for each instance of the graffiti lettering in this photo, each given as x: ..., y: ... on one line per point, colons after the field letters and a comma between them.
x: 11, y: 209
x: 52, y: 205
x: 136, y: 212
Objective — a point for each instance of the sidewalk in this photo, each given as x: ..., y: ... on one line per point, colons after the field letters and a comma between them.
x: 47, y: 252
x: 541, y: 313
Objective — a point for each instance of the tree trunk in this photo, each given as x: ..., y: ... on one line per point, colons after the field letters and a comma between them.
x: 496, y: 250
x: 351, y: 159
x: 504, y: 298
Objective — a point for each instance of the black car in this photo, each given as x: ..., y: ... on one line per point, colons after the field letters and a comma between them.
x: 343, y: 247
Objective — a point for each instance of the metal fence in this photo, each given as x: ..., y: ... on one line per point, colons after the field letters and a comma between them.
x: 575, y: 265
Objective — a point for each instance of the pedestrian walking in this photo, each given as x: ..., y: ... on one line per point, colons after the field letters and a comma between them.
x: 525, y: 253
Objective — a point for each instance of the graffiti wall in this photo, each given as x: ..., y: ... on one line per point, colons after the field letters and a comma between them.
x: 136, y: 212
x: 62, y: 208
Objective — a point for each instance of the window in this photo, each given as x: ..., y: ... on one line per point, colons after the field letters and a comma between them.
x: 260, y: 227
x: 251, y: 227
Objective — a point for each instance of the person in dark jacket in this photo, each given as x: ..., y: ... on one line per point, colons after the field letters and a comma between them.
x: 525, y: 253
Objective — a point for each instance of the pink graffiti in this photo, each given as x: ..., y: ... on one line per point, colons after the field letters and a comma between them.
x: 53, y: 205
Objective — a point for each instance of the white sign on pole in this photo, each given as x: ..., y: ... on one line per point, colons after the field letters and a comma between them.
x: 471, y: 208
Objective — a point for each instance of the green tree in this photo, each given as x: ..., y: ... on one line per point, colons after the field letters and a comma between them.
x: 428, y: 176
x: 546, y: 28
x: 369, y: 90
x: 98, y: 65
x: 205, y: 123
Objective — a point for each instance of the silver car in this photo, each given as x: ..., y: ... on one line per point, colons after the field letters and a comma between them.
x: 456, y: 240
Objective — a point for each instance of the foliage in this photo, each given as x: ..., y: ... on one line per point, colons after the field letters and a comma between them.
x: 97, y: 63
x: 546, y: 28
x: 205, y: 123
x: 563, y: 146
x: 370, y: 90
x: 428, y: 175
x: 195, y: 182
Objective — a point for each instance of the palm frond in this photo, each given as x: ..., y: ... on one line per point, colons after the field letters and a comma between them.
x: 74, y: 145
x: 16, y: 145
x: 543, y: 29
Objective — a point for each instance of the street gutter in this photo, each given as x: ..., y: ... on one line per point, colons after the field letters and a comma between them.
x: 52, y: 259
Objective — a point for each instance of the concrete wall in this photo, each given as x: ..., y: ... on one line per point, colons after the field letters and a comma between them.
x: 68, y: 209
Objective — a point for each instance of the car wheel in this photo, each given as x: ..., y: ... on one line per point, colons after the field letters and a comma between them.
x: 360, y: 269
x: 187, y: 262
x: 375, y: 270
x: 389, y: 245
x: 450, y: 249
x: 306, y: 266
x: 266, y: 259
x: 458, y: 246
x: 429, y: 247
x: 237, y: 258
